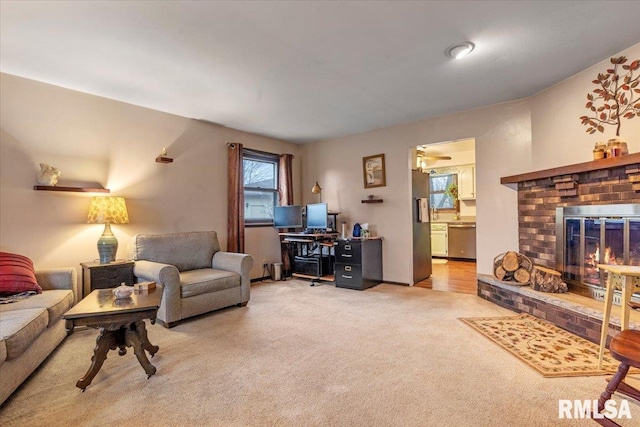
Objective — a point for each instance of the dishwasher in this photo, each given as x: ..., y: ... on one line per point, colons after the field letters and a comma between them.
x: 462, y: 240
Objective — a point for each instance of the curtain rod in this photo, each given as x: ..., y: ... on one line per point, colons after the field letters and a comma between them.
x: 254, y: 151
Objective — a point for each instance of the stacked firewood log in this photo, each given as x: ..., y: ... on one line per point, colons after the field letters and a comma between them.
x: 547, y: 280
x: 513, y: 267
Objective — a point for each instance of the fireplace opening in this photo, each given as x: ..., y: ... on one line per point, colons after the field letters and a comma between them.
x: 590, y: 235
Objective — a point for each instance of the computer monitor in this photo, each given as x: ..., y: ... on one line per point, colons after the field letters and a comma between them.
x: 317, y: 216
x: 287, y: 216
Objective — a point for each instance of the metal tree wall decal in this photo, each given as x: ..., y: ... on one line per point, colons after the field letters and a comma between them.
x: 619, y: 94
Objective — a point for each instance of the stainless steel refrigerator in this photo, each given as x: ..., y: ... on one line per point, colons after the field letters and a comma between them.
x: 421, y: 226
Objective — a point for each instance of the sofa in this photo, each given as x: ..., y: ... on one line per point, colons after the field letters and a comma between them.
x: 195, y: 276
x: 31, y: 328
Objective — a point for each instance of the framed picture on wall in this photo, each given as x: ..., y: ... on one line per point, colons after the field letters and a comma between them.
x: 373, y: 171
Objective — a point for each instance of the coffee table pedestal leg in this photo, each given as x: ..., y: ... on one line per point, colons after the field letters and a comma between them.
x: 107, y: 340
x: 136, y: 337
x: 130, y: 335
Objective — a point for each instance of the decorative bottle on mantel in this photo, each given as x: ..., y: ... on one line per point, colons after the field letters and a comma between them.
x: 599, y: 151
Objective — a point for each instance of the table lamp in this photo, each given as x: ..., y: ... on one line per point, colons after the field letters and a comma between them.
x: 316, y: 189
x: 107, y: 210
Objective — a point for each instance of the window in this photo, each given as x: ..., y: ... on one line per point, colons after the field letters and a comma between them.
x: 260, y: 187
x: 438, y: 184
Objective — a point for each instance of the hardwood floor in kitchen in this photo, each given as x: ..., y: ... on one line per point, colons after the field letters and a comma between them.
x: 453, y: 276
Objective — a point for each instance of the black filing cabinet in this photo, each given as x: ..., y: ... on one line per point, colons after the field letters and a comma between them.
x: 358, y: 263
x: 101, y: 276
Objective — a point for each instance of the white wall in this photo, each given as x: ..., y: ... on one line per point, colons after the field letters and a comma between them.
x: 501, y: 132
x: 559, y: 138
x: 540, y: 132
x: 97, y: 140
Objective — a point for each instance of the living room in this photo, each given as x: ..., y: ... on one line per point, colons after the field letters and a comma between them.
x: 111, y: 143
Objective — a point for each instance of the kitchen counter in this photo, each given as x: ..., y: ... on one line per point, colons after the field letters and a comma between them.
x: 462, y: 220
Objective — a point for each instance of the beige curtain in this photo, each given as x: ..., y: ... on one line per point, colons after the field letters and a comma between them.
x: 235, y: 195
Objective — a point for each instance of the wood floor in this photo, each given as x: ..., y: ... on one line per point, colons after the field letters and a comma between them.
x: 454, y: 276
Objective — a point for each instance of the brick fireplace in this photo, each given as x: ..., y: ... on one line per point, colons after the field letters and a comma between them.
x: 614, y: 181
x: 614, y: 184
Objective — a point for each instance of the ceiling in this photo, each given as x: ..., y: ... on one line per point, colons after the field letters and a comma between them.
x: 306, y: 71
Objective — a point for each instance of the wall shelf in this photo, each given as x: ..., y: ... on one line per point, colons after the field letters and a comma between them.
x: 371, y: 201
x: 163, y: 159
x: 628, y: 159
x: 71, y: 189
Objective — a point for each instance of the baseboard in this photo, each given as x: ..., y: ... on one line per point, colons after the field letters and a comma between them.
x: 260, y: 279
x: 395, y: 283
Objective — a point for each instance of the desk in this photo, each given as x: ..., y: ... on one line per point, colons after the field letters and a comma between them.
x: 304, y: 261
x: 627, y: 277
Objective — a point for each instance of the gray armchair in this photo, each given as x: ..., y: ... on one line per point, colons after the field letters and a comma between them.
x: 193, y: 274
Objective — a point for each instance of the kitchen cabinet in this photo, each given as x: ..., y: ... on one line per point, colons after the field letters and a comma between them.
x: 439, y: 244
x: 467, y: 182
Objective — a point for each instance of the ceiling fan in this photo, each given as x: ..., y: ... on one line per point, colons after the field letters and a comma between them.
x: 428, y: 157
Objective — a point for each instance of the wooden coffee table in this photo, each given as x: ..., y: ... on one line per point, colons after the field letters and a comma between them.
x: 121, y: 325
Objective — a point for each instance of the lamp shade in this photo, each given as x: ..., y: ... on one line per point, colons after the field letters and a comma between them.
x: 107, y: 210
x: 316, y: 189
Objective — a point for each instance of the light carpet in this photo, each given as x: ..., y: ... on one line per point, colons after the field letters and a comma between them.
x: 307, y: 356
x: 548, y: 349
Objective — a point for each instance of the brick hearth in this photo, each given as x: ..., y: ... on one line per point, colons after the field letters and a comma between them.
x: 566, y: 312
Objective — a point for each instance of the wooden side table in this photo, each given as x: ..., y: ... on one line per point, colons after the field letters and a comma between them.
x: 102, y: 276
x: 627, y: 277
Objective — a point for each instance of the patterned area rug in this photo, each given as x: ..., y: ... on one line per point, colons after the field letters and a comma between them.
x: 551, y: 351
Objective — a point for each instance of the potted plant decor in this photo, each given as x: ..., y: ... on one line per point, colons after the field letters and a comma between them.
x: 452, y: 191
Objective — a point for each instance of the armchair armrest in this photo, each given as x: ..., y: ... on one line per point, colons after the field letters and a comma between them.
x: 237, y: 263
x: 59, y: 278
x: 167, y: 277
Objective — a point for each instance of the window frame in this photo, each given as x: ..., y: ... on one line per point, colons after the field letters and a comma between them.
x: 432, y: 192
x: 260, y: 156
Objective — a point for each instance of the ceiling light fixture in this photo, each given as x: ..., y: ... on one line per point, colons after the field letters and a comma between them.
x: 460, y: 50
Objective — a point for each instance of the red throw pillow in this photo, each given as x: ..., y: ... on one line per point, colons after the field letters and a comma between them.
x: 17, y: 274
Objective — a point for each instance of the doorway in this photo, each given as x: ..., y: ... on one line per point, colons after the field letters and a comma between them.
x: 451, y: 167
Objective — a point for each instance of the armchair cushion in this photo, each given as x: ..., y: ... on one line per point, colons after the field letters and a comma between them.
x: 185, y: 251
x: 198, y: 282
x: 17, y: 274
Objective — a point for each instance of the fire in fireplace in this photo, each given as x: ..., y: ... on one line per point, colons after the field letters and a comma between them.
x: 598, y: 234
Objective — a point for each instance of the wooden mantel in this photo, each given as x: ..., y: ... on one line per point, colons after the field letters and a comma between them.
x: 629, y: 159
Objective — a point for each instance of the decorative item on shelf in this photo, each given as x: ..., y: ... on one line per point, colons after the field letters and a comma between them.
x: 599, y: 151
x: 48, y: 175
x: 371, y: 199
x: 316, y: 189
x: 619, y: 94
x: 107, y: 210
x: 162, y: 158
x: 373, y: 171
